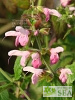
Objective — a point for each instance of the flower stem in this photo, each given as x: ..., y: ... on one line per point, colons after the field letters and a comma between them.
x: 31, y: 49
x: 41, y: 2
x: 38, y: 42
x: 5, y: 75
x: 51, y: 71
x: 23, y: 92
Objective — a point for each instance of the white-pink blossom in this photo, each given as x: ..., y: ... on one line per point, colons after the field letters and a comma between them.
x: 36, y: 61
x: 54, y: 57
x: 71, y: 8
x: 49, y: 12
x: 36, y: 73
x: 24, y: 55
x: 21, y: 35
x: 63, y: 75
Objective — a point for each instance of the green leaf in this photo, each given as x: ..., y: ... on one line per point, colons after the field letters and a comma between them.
x: 59, y: 26
x: 4, y: 95
x: 71, y: 77
x: 12, y: 97
x: 17, y: 68
x: 5, y: 86
x: 67, y: 33
x: 26, y: 82
x: 70, y: 40
x: 2, y: 78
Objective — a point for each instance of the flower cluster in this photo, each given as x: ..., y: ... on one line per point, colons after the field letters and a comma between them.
x: 23, y: 37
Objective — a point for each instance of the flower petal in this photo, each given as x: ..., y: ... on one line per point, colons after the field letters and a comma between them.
x: 23, y: 60
x: 64, y: 72
x: 35, y: 55
x: 57, y: 50
x: 18, y: 53
x: 33, y: 70
x: 36, y: 32
x: 47, y: 14
x: 36, y: 63
x: 34, y: 79
x: 54, y: 58
x: 17, y: 41
x: 54, y: 12
x: 71, y: 8
x: 22, y: 30
x: 29, y: 69
x: 23, y: 40
x: 12, y: 33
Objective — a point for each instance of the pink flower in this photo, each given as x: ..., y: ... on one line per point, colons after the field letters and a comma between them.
x: 36, y: 61
x: 24, y: 55
x: 64, y: 3
x: 36, y: 73
x: 64, y: 73
x: 49, y: 12
x: 69, y: 26
x: 36, y: 32
x: 54, y: 58
x: 21, y: 35
x: 71, y: 8
x: 54, y: 12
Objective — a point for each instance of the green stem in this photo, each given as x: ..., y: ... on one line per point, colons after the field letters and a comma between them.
x: 23, y: 92
x: 31, y: 49
x: 38, y: 42
x: 5, y: 75
x: 46, y: 41
x: 51, y: 71
x: 40, y: 2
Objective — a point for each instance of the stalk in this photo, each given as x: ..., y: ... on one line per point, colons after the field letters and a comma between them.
x: 5, y: 75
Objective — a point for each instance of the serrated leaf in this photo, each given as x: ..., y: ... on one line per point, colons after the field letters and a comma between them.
x: 24, y: 4
x: 17, y: 68
x: 4, y: 95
